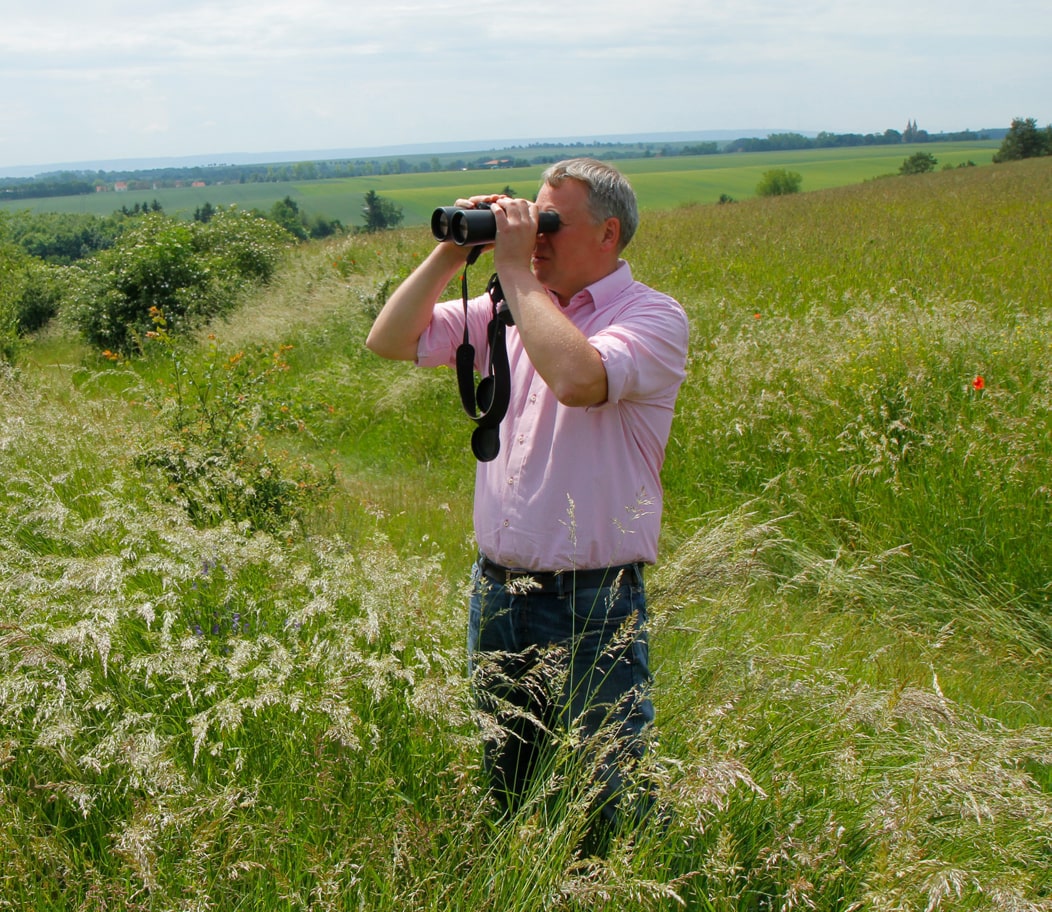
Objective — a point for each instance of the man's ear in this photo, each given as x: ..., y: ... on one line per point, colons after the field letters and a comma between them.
x: 611, y: 233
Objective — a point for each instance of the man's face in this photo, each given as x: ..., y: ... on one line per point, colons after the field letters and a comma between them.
x: 579, y: 253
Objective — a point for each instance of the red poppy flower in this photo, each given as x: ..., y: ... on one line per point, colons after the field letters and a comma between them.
x: 978, y: 383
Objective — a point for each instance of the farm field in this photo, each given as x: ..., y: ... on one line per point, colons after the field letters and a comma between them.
x: 661, y: 183
x: 208, y: 707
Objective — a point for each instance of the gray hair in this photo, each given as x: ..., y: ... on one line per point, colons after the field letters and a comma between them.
x: 610, y: 195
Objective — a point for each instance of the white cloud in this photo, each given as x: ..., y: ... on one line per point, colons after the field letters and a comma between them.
x: 121, y: 78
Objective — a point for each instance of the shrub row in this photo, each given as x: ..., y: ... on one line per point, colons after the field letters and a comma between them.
x: 190, y: 271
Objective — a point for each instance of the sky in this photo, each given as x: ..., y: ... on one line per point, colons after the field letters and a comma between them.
x: 113, y: 79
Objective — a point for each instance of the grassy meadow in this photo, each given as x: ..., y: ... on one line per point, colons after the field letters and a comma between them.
x: 851, y: 621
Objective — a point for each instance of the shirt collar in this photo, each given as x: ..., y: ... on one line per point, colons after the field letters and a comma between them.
x: 605, y: 290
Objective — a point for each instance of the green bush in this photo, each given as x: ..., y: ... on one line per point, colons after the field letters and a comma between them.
x: 11, y: 261
x: 779, y: 182
x: 1024, y: 140
x: 919, y: 163
x: 241, y: 245
x: 29, y: 297
x: 189, y: 271
x: 63, y: 238
x: 8, y: 332
x: 42, y: 290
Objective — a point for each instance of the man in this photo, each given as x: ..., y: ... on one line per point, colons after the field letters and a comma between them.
x: 568, y: 511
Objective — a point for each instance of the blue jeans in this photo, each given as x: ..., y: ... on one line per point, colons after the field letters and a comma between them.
x: 565, y: 662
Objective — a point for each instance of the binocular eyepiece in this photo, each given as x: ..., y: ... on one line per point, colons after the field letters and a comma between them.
x: 470, y: 227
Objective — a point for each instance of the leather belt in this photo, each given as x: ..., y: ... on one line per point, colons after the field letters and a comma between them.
x: 544, y: 582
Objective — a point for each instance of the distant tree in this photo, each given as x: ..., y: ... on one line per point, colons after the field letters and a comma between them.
x: 287, y: 213
x: 705, y: 148
x: 788, y: 141
x: 204, y: 213
x: 380, y: 213
x: 1024, y: 140
x: 918, y: 163
x: 779, y: 182
x: 322, y: 227
x: 775, y: 142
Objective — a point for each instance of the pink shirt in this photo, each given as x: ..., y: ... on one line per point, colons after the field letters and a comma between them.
x: 577, y: 488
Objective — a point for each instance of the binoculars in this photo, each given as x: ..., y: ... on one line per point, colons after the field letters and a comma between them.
x: 469, y: 227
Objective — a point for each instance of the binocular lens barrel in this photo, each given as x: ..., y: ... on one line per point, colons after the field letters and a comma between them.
x: 473, y: 226
x: 466, y: 227
x: 440, y: 220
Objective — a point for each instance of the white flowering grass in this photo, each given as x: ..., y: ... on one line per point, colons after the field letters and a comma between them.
x: 190, y: 712
x: 828, y: 769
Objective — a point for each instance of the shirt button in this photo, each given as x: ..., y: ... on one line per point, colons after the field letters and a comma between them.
x: 533, y: 398
x: 511, y: 479
x: 522, y: 438
x: 506, y: 524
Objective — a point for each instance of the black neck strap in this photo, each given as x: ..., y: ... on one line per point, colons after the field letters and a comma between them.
x: 487, y: 403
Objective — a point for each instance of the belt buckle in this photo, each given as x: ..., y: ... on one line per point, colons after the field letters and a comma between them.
x: 495, y: 571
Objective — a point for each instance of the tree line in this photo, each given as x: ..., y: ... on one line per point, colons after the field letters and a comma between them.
x: 71, y: 183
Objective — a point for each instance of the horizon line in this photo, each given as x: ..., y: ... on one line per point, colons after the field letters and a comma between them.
x: 210, y: 159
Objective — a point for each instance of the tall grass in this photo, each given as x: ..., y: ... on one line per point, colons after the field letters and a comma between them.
x: 850, y: 620
x: 839, y: 361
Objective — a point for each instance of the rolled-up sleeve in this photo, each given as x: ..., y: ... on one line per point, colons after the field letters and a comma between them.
x: 437, y: 346
x: 645, y: 354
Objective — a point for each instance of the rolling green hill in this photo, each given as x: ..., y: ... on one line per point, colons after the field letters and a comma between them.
x: 661, y: 183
